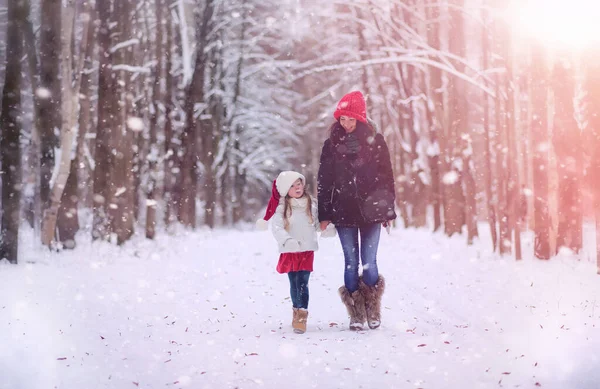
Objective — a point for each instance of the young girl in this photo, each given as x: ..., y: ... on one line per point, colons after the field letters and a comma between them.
x: 294, y: 226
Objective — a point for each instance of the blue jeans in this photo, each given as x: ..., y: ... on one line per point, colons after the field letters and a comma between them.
x: 299, y: 288
x: 369, y: 242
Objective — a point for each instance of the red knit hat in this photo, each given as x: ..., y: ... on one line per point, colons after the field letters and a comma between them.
x: 271, y: 207
x: 353, y: 105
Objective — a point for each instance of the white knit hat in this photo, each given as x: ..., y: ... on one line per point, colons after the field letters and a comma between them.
x: 286, y: 179
x: 281, y: 186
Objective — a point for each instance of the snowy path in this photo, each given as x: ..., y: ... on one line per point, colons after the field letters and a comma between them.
x: 208, y: 310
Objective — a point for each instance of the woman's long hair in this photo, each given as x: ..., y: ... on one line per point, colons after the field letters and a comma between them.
x: 287, y: 209
x: 338, y: 126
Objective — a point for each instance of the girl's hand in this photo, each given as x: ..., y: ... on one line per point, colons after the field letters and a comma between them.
x: 324, y: 224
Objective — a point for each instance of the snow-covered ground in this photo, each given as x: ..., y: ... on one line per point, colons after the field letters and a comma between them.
x: 208, y: 310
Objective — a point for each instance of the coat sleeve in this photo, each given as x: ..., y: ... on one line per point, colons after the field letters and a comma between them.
x: 384, y: 166
x: 279, y: 232
x: 325, y: 185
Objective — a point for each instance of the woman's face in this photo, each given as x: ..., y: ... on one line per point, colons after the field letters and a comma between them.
x: 348, y: 123
x: 297, y: 189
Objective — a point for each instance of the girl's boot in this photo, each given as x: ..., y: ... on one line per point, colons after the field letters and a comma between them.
x: 355, y: 304
x: 294, y: 317
x: 300, y: 322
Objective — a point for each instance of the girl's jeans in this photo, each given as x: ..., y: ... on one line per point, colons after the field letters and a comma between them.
x: 369, y: 241
x: 299, y: 288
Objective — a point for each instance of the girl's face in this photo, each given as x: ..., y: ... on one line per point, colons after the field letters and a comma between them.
x: 348, y: 123
x: 297, y: 189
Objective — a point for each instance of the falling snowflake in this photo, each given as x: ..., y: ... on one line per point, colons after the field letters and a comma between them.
x: 43, y: 93
x: 450, y: 178
x: 135, y: 123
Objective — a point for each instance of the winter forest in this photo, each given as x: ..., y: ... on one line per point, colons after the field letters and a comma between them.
x: 139, y: 141
x: 128, y: 117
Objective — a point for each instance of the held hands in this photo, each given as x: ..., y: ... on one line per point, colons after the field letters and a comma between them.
x: 329, y: 231
x: 324, y: 224
x: 292, y: 245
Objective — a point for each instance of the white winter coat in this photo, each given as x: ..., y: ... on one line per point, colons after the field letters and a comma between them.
x: 301, y: 229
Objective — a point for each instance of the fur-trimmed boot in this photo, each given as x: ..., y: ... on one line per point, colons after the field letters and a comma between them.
x: 355, y: 304
x: 372, y: 296
x: 300, y: 319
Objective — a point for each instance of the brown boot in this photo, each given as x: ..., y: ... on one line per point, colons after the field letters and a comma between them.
x: 355, y: 304
x: 372, y: 296
x: 300, y: 322
x: 294, y: 317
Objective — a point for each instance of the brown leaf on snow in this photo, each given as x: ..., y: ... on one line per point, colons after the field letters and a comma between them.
x: 447, y: 342
x: 422, y: 345
x: 101, y: 337
x: 136, y: 383
x: 538, y: 384
x: 61, y: 358
x: 168, y: 360
x: 347, y: 368
x: 332, y: 324
x: 506, y: 373
x: 251, y: 354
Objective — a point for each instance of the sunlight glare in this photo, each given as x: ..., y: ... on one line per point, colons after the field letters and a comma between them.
x: 568, y: 23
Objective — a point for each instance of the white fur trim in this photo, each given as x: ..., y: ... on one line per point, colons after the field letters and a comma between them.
x: 286, y: 179
x: 262, y: 224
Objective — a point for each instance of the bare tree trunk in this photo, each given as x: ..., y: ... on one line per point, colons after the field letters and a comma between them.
x: 34, y: 211
x: 437, y: 162
x: 50, y: 102
x: 454, y: 213
x: 67, y: 132
x: 154, y: 153
x: 513, y: 157
x: 68, y: 221
x: 84, y: 155
x: 485, y: 39
x: 194, y: 95
x: 592, y: 78
x: 106, y: 121
x: 540, y: 144
x: 122, y: 189
x: 567, y: 144
x: 501, y: 179
x: 10, y: 134
x: 169, y: 106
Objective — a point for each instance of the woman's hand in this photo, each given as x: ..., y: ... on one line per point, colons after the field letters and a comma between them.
x: 324, y: 224
x: 387, y: 225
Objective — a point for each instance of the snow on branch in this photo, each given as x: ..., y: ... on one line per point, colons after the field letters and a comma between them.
x: 131, y: 69
x: 407, y: 59
x: 124, y: 44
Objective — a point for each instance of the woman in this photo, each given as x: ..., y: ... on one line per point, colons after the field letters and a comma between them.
x: 356, y: 194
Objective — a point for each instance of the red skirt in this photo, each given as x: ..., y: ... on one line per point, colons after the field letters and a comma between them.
x: 296, y: 261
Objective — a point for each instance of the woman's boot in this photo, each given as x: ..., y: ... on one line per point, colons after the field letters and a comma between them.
x: 372, y: 295
x: 294, y: 317
x: 355, y: 304
x: 300, y: 322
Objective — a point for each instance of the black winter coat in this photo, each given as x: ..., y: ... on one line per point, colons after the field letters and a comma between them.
x: 356, y: 188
